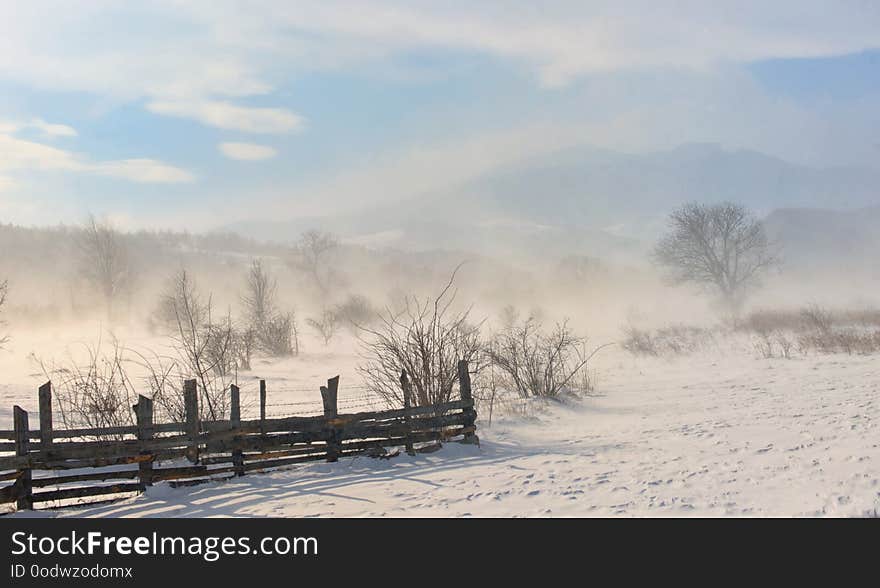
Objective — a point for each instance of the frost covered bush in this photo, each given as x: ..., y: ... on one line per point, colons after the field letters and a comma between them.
x: 539, y: 362
x: 94, y: 392
x: 426, y: 340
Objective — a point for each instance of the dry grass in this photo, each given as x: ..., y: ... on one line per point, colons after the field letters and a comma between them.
x: 667, y: 341
x: 779, y: 333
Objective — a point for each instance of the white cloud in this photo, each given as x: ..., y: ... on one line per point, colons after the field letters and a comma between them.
x: 49, y: 130
x: 52, y: 129
x: 148, y: 171
x: 560, y: 40
x: 247, y: 151
x: 21, y: 155
x: 225, y: 115
x: 182, y: 57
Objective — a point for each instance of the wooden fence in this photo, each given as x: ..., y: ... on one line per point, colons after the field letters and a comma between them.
x: 215, y: 449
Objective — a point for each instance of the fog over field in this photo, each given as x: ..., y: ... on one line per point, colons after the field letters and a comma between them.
x: 652, y: 235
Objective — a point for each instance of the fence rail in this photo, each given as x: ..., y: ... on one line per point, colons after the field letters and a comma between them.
x: 215, y: 449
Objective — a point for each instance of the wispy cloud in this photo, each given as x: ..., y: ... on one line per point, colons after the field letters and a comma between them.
x: 49, y: 130
x: 247, y: 151
x: 147, y: 171
x: 52, y: 129
x: 225, y: 115
x: 220, y: 49
x: 22, y: 156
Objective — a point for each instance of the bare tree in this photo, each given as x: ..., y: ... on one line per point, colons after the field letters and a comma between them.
x: 426, y: 339
x: 104, y: 260
x: 326, y: 325
x: 313, y: 251
x: 4, y: 291
x: 259, y: 297
x: 722, y: 246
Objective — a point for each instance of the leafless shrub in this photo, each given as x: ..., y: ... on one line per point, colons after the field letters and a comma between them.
x: 268, y: 329
x: 280, y: 336
x: 848, y: 340
x: 426, y: 339
x: 785, y: 344
x: 539, y: 363
x: 355, y: 312
x: 763, y: 321
x: 486, y: 393
x: 93, y: 393
x: 810, y: 318
x: 818, y: 318
x: 244, y: 342
x: 764, y: 344
x: 819, y: 329
x: 203, y: 349
x: 326, y: 325
x: 639, y: 341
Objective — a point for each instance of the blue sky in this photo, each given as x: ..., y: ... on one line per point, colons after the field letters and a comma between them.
x: 196, y: 114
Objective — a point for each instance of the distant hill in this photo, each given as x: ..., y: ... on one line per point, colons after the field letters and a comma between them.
x: 821, y: 238
x: 590, y: 201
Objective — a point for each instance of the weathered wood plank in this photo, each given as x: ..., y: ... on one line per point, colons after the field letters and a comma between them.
x: 7, y: 494
x: 191, y: 403
x: 407, y: 409
x: 45, y: 403
x: 35, y: 462
x: 6, y: 476
x: 85, y: 491
x: 144, y: 413
x: 235, y: 423
x: 464, y: 383
x: 22, y: 487
x: 262, y: 421
x: 60, y: 480
x: 329, y: 397
x: 178, y: 473
x: 9, y: 434
x: 185, y: 483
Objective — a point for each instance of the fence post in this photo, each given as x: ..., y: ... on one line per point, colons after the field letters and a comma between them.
x: 407, y: 404
x: 191, y: 404
x: 235, y: 422
x: 45, y: 394
x: 144, y: 413
x: 23, y: 490
x: 262, y: 407
x: 464, y: 382
x: 329, y: 396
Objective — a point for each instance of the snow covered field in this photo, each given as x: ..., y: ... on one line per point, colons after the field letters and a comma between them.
x: 717, y: 433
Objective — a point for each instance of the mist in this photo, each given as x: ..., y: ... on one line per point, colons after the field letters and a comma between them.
x: 641, y: 241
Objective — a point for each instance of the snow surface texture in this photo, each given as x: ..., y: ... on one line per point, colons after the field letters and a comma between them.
x: 718, y: 433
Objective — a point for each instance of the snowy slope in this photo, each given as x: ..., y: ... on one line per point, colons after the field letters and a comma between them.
x: 721, y: 433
